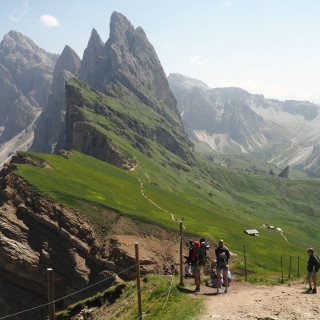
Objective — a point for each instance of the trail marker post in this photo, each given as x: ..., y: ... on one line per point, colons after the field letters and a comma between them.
x: 245, y: 263
x: 290, y: 267
x: 281, y: 271
x: 298, y: 266
x: 50, y: 293
x: 181, y: 261
x: 136, y: 245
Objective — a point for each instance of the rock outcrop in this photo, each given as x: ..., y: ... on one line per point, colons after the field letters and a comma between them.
x: 49, y: 136
x: 36, y: 233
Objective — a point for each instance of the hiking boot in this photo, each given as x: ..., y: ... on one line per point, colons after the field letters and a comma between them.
x: 314, y: 291
x: 309, y: 290
x: 218, y: 290
x: 226, y: 290
x: 196, y: 290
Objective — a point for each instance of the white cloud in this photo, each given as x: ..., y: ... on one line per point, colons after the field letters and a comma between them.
x: 49, y: 21
x: 197, y: 61
x: 17, y: 15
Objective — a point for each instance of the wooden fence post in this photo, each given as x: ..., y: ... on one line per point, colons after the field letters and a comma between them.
x: 245, y: 263
x: 138, y: 279
x: 281, y: 271
x: 290, y: 267
x: 181, y: 261
x: 298, y: 266
x: 50, y: 293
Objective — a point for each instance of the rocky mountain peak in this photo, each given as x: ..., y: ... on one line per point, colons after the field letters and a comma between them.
x: 25, y: 82
x: 92, y: 60
x: 176, y: 79
x: 21, y: 49
x: 49, y: 135
x: 132, y: 61
x: 68, y: 60
x: 95, y: 43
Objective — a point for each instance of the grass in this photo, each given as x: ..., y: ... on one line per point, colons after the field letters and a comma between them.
x: 245, y: 202
x: 161, y: 299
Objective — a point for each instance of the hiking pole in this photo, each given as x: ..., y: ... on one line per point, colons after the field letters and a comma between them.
x: 50, y: 293
x: 181, y: 265
x: 136, y: 245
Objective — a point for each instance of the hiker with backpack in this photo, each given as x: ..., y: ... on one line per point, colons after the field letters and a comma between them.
x: 198, y: 258
x: 313, y: 267
x: 222, y: 255
x: 213, y: 275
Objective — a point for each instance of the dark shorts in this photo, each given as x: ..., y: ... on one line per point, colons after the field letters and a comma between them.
x: 195, y: 269
x: 312, y: 274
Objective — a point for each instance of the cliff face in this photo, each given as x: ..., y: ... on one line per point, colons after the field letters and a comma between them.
x: 25, y: 82
x: 108, y: 128
x: 49, y: 136
x: 37, y: 233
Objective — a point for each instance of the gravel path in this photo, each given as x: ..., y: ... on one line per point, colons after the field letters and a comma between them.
x: 245, y: 301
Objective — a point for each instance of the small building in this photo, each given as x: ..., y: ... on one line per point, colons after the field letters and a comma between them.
x: 252, y: 232
x: 279, y: 229
x: 271, y: 227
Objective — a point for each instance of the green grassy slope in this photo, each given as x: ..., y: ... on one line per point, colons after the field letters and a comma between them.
x: 216, y: 198
x: 240, y: 202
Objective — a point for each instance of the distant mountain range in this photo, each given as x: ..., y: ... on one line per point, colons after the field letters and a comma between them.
x: 228, y: 120
x: 231, y: 120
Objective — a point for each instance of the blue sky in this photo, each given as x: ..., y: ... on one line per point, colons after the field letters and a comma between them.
x: 270, y: 47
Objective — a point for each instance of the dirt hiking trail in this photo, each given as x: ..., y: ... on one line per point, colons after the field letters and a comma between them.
x: 246, y: 301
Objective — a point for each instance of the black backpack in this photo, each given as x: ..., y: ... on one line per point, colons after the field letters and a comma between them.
x: 191, y: 253
x: 222, y: 259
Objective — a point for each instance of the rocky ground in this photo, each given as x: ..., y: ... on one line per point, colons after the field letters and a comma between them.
x: 246, y: 301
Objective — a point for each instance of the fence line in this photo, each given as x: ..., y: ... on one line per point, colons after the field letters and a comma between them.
x: 73, y: 293
x: 136, y: 292
x: 67, y: 296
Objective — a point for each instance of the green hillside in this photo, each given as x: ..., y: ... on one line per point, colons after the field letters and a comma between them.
x: 215, y: 196
x: 237, y: 201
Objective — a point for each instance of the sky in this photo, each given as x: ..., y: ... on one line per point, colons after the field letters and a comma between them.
x: 269, y: 47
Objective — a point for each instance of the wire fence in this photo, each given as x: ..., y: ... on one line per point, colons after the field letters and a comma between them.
x: 19, y: 313
x: 290, y: 267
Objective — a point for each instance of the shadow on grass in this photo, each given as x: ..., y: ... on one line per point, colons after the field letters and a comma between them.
x: 185, y: 290
x: 191, y: 291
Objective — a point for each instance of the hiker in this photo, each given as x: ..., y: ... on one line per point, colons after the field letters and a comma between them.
x: 312, y: 271
x: 213, y: 274
x: 187, y: 269
x: 223, y: 255
x: 198, y: 259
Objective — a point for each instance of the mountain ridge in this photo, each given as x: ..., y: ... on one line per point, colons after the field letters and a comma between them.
x: 231, y: 120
